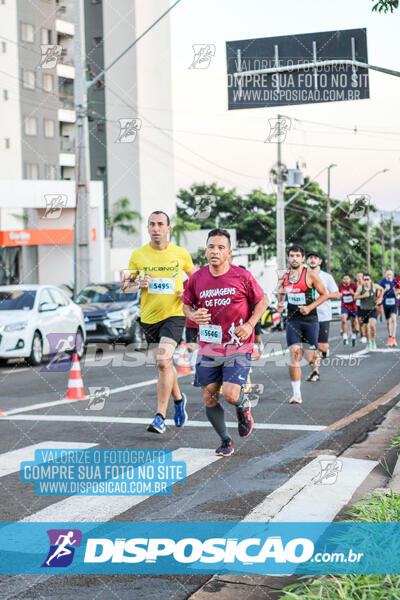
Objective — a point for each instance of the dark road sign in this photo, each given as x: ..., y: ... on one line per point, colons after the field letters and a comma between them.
x: 297, y: 85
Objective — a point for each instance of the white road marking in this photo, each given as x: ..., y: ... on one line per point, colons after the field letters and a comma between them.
x: 39, y: 405
x: 10, y: 462
x: 301, y: 499
x: 105, y: 508
x: 146, y: 421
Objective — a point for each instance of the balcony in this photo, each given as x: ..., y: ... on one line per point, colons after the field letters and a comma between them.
x: 64, y: 27
x: 66, y: 159
x: 67, y: 101
x: 67, y: 145
x: 65, y: 69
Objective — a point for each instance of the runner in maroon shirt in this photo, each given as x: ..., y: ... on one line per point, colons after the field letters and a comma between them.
x: 349, y: 307
x: 223, y: 294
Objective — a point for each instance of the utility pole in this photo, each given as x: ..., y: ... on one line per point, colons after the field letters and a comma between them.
x: 329, y: 221
x: 383, y: 247
x: 328, y: 224
x: 82, y: 222
x: 368, y: 240
x: 391, y: 243
x: 280, y: 207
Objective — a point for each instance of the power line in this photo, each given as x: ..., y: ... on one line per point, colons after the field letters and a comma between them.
x: 93, y: 81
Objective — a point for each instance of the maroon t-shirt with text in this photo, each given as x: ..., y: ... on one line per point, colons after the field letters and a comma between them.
x: 228, y: 299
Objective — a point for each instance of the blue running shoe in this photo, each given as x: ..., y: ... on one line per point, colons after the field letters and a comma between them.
x: 157, y: 425
x: 225, y: 449
x: 180, y: 416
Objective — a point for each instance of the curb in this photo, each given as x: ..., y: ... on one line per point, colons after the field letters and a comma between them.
x: 375, y: 445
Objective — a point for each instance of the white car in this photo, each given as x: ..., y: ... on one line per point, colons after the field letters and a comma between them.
x: 29, y: 313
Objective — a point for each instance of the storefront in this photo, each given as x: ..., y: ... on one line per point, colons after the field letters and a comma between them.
x: 42, y: 252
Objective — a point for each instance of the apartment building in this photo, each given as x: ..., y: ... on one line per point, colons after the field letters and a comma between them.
x: 37, y: 139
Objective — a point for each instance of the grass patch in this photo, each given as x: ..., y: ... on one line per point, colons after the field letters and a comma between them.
x: 376, y: 508
x: 346, y: 587
x: 395, y: 442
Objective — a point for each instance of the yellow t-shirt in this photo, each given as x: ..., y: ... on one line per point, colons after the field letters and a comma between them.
x: 161, y: 299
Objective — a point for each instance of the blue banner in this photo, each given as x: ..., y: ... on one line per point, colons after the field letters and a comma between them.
x: 99, y: 472
x: 199, y: 548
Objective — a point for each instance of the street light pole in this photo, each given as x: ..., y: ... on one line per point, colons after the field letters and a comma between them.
x: 82, y: 271
x: 328, y: 220
x: 280, y: 207
x: 391, y: 244
x: 368, y: 240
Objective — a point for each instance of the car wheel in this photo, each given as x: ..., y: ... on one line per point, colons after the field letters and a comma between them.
x: 135, y: 336
x: 3, y: 362
x: 79, y: 344
x: 36, y: 355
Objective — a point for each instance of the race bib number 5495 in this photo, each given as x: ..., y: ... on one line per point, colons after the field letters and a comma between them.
x: 161, y: 285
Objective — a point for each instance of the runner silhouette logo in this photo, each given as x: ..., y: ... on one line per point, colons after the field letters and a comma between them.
x: 62, y: 547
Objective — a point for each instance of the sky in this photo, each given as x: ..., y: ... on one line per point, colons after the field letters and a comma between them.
x: 203, y: 124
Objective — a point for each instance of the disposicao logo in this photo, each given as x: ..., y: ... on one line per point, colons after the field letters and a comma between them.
x: 62, y: 547
x: 190, y: 550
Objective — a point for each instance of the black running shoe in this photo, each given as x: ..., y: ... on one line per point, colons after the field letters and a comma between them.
x: 314, y: 376
x: 225, y: 449
x: 245, y: 422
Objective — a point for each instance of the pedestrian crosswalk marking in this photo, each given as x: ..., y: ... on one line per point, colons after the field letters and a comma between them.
x: 10, y: 461
x: 100, y: 508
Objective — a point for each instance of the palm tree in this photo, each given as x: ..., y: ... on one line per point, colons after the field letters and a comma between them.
x: 122, y: 217
x: 180, y: 227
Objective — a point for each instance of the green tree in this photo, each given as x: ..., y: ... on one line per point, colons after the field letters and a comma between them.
x: 253, y: 217
x: 180, y: 227
x: 385, y: 6
x: 122, y: 217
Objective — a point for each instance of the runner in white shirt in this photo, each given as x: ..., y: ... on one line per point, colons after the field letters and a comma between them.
x: 324, y: 311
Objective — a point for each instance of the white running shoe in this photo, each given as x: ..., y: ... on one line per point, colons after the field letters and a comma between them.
x: 295, y: 400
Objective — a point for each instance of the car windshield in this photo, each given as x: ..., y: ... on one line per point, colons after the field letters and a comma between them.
x: 103, y: 293
x: 17, y: 299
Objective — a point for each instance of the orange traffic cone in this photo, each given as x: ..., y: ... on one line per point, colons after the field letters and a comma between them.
x: 75, y: 389
x: 183, y: 361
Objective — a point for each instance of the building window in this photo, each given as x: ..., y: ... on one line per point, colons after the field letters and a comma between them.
x: 28, y: 78
x: 100, y: 125
x: 3, y: 47
x: 50, y: 172
x: 46, y: 36
x: 27, y: 32
x: 31, y: 171
x: 30, y: 126
x: 7, y: 143
x: 101, y: 171
x: 5, y: 94
x: 96, y: 1
x: 49, y: 128
x: 48, y: 84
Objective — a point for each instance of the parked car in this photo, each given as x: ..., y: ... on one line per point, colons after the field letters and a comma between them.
x: 109, y: 315
x: 29, y: 313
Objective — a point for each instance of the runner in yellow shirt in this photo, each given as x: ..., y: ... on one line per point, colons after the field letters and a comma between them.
x: 156, y: 269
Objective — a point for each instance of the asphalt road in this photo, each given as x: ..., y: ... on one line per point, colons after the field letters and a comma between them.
x: 226, y: 489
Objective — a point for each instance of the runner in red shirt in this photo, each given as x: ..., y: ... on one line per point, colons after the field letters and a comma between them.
x: 347, y: 290
x: 223, y: 294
